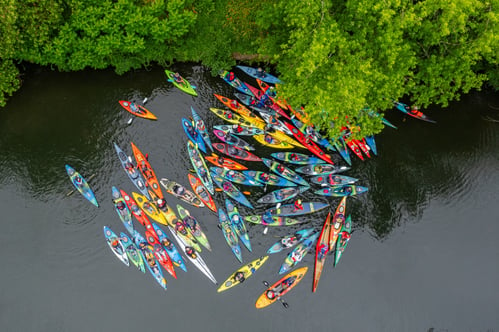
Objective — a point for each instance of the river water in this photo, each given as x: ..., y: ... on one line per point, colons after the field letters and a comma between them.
x: 423, y: 255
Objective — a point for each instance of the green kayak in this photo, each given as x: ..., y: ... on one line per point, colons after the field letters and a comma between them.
x: 180, y: 83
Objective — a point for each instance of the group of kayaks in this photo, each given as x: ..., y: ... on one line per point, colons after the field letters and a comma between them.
x: 225, y: 164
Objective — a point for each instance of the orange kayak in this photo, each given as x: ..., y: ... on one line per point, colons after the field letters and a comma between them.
x: 201, y: 192
x: 137, y: 110
x: 146, y: 170
x: 226, y: 162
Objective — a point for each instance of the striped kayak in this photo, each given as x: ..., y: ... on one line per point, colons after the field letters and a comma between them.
x: 200, y: 166
x: 147, y: 171
x: 194, y: 257
x: 309, y: 144
x: 149, y: 208
x: 281, y: 287
x: 233, y: 140
x: 414, y: 112
x: 201, y: 128
x: 240, y: 130
x: 81, y: 185
x: 235, y: 176
x: 268, y: 178
x: 242, y: 273
x: 132, y: 172
x: 281, y: 195
x: 235, y: 82
x: 235, y: 152
x: 114, y: 242
x: 231, y: 190
x: 275, y: 220
x: 297, y: 158
x: 181, y: 192
x: 161, y: 255
x: 237, y: 223
x: 150, y: 259
x: 201, y: 192
x: 342, y: 190
x: 289, y: 209
x: 289, y: 241
x: 183, y: 84
x: 332, y: 179
x: 233, y: 118
x: 255, y: 73
x: 133, y: 253
x: 343, y: 239
x: 225, y: 162
x: 271, y: 141
x: 298, y: 253
x: 137, y: 110
x: 321, y: 251
x: 284, y: 172
x: 169, y: 247
x: 229, y: 234
x: 192, y: 224
x: 122, y: 209
x: 321, y: 169
x: 193, y: 135
x: 337, y: 222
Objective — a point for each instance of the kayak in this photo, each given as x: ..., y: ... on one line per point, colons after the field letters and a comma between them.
x: 321, y: 169
x: 194, y: 257
x: 160, y: 253
x: 235, y: 152
x: 231, y: 190
x: 182, y: 84
x: 414, y: 112
x: 337, y: 222
x: 363, y: 147
x: 246, y: 99
x: 146, y: 170
x: 235, y: 176
x: 342, y: 190
x: 238, y: 108
x: 275, y: 220
x: 281, y: 287
x: 235, y: 118
x: 228, y: 138
x: 193, y: 135
x: 296, y: 158
x: 150, y: 259
x: 355, y: 148
x: 122, y: 209
x: 371, y: 143
x: 200, y: 166
x: 114, y: 242
x: 201, y: 192
x: 169, y: 214
x: 281, y: 195
x: 179, y: 191
x: 284, y: 172
x: 273, y: 121
x: 192, y: 224
x: 271, y: 141
x: 332, y: 179
x: 290, y: 210
x: 268, y: 178
x: 309, y: 144
x: 289, y: 241
x: 312, y: 133
x: 321, y: 251
x: 137, y: 110
x: 229, y: 234
x: 149, y: 208
x: 272, y: 93
x: 238, y: 223
x: 81, y: 185
x: 240, y: 130
x: 201, y: 128
x: 343, y: 239
x: 300, y: 114
x: 182, y: 231
x: 242, y: 273
x: 236, y: 83
x: 169, y: 247
x: 225, y: 162
x: 133, y: 253
x: 262, y: 75
x: 132, y: 172
x: 298, y: 253
x: 134, y: 208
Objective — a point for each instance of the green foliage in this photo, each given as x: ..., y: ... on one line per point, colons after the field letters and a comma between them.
x: 9, y: 80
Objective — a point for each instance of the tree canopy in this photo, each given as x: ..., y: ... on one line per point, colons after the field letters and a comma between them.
x: 335, y: 57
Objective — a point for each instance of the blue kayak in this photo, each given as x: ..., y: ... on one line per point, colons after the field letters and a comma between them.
x: 81, y: 185
x: 262, y: 75
x: 132, y: 171
x: 193, y: 135
x: 201, y: 128
x: 231, y: 190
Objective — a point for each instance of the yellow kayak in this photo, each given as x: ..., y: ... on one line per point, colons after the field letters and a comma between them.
x: 274, y: 143
x: 149, y: 208
x: 243, y: 273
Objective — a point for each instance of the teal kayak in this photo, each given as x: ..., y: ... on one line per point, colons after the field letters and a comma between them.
x: 297, y: 158
x: 200, y: 167
x: 343, y: 238
x: 133, y: 253
x: 231, y: 190
x: 267, y: 178
x: 281, y: 195
x: 274, y: 221
x: 81, y: 185
x: 332, y: 179
x: 289, y: 241
x: 290, y: 210
x: 297, y: 255
x: 235, y: 176
x: 284, y: 172
x: 201, y: 128
x: 238, y: 223
x: 342, y: 190
x: 122, y: 210
x: 229, y: 234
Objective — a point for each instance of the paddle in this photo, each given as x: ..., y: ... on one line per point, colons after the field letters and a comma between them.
x: 244, y: 192
x: 285, y: 304
x: 72, y: 191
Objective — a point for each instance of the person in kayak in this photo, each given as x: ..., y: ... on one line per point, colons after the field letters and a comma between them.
x: 260, y: 72
x: 323, y: 250
x: 239, y: 276
x: 180, y: 228
x: 189, y: 251
x: 298, y: 205
x: 228, y: 114
x: 231, y: 76
x: 161, y: 203
x: 121, y: 205
x: 234, y: 103
x: 220, y: 160
x: 238, y: 128
x: 280, y: 168
x: 345, y: 236
x: 177, y: 77
x: 268, y: 138
x: 294, y: 156
x: 226, y: 186
x: 179, y: 190
x: 264, y: 177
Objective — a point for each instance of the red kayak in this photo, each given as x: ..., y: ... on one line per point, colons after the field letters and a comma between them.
x: 137, y: 110
x: 235, y: 152
x: 308, y: 143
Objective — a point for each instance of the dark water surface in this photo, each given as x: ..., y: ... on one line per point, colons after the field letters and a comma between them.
x: 423, y: 255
